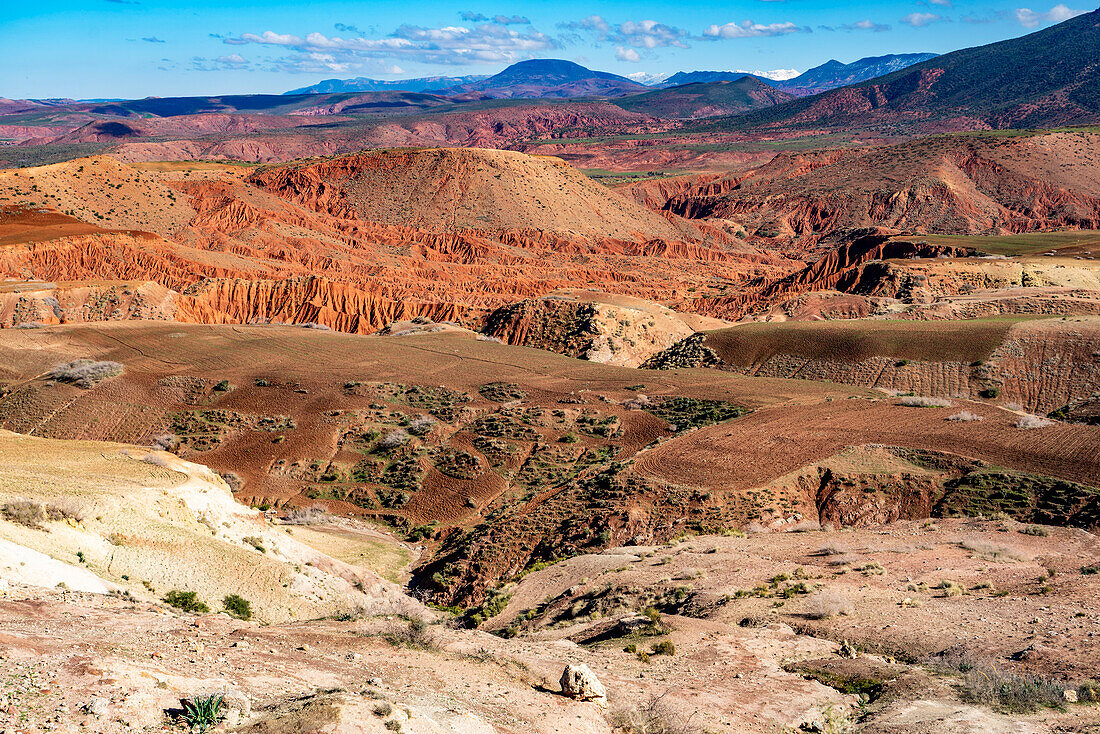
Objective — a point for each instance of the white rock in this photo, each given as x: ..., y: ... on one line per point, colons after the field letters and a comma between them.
x: 97, y: 707
x: 579, y: 682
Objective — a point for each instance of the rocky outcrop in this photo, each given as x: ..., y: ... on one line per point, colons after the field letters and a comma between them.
x: 599, y: 327
x: 844, y: 268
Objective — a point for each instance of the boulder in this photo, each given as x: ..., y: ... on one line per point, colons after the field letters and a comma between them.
x: 580, y: 683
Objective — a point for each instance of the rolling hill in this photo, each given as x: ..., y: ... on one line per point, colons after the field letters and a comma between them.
x: 965, y: 184
x: 706, y: 99
x: 365, y: 84
x: 1015, y: 83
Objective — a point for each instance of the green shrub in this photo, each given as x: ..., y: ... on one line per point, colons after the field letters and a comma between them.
x: 187, y: 601
x: 237, y: 606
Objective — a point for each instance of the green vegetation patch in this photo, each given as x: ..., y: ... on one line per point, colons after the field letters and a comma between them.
x: 457, y: 463
x: 439, y: 401
x: 1031, y: 498
x: 202, y: 430
x: 502, y: 392
x: 683, y: 413
x: 502, y: 425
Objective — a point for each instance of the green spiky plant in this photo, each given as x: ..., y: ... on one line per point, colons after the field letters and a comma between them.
x: 202, y: 714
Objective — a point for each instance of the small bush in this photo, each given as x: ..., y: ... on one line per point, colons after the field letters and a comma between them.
x: 419, y: 426
x: 383, y: 709
x: 415, y: 633
x: 965, y: 416
x: 664, y: 647
x: 306, y: 516
x: 1036, y: 530
x: 917, y: 401
x: 393, y: 440
x: 990, y: 392
x: 24, y: 512
x: 1090, y: 570
x: 1088, y: 692
x: 186, y: 601
x: 256, y: 542
x: 237, y: 606
x: 829, y: 604
x: 1028, y: 422
x: 85, y: 373
x: 655, y: 717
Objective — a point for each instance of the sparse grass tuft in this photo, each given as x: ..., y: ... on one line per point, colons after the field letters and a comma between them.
x: 951, y: 588
x: 989, y: 685
x: 991, y: 552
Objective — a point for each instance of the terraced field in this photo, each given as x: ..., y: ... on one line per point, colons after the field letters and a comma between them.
x: 498, y: 457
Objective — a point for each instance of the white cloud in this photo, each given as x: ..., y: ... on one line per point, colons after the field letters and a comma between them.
x: 866, y: 25
x: 487, y: 43
x: 919, y: 20
x: 748, y: 29
x: 627, y: 54
x: 942, y: 3
x: 648, y: 34
x: 1028, y: 18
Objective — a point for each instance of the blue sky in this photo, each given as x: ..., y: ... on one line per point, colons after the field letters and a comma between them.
x: 138, y: 48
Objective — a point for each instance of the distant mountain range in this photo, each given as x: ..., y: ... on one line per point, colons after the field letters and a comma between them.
x: 830, y: 75
x: 833, y: 73
x: 364, y: 84
x: 1044, y: 79
x: 557, y: 78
